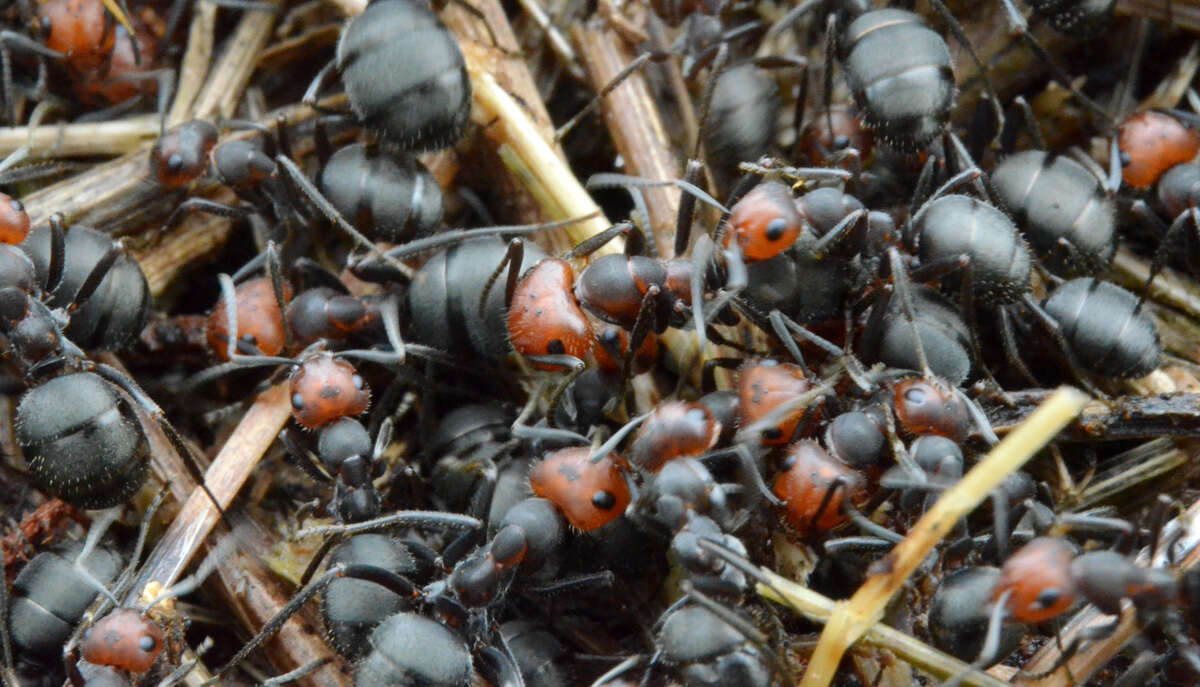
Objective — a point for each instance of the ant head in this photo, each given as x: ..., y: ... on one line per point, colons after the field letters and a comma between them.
x: 259, y: 319
x: 612, y: 345
x: 589, y: 494
x: 672, y: 430
x: 813, y: 487
x: 1038, y: 577
x: 324, y: 389
x: 1151, y: 143
x: 14, y: 221
x: 763, y: 386
x: 764, y: 223
x: 931, y: 405
x: 124, y: 639
x: 544, y: 318
x: 180, y: 155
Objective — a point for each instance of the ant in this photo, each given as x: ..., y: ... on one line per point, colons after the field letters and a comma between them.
x: 1045, y: 578
x: 94, y: 456
x: 425, y: 101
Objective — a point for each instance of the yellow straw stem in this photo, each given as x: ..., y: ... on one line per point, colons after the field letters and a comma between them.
x: 850, y: 621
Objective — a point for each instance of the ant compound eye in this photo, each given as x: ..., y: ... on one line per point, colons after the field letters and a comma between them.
x: 604, y: 500
x: 175, y: 163
x: 297, y: 401
x: 556, y: 347
x: 1048, y: 598
x: 147, y: 643
x: 776, y: 228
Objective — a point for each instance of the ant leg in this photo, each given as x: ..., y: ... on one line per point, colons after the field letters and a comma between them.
x: 903, y: 290
x: 297, y: 674
x: 921, y: 189
x: 634, y: 65
x: 839, y: 233
x: 303, y: 457
x: 744, y: 627
x: 964, y: 177
x: 718, y: 67
x: 318, y: 84
x: 1020, y: 27
x: 314, y: 195
x: 612, y: 180
x: 618, y: 436
x: 780, y: 327
x: 1026, y: 119
x: 512, y: 260
x: 409, y: 518
x: 1055, y: 330
x: 957, y: 30
x: 635, y: 240
x: 374, y: 574
x: 618, y: 670
x: 205, y: 205
x: 991, y: 641
x: 275, y: 273
x: 1009, y: 342
x: 575, y: 368
x: 687, y: 204
x: 870, y: 545
x: 156, y: 414
x: 58, y: 251
x: 865, y: 524
x: 1171, y: 235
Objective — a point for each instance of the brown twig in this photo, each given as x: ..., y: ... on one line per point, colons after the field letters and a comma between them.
x: 194, y: 65
x: 633, y: 121
x: 229, y: 77
x: 1119, y: 419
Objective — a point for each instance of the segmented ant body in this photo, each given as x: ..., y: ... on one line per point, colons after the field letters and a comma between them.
x: 425, y: 99
x: 76, y: 422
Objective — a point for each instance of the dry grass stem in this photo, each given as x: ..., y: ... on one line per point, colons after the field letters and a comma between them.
x: 851, y: 620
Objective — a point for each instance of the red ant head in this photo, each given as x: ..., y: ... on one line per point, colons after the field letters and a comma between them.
x: 818, y: 141
x: 118, y: 83
x: 590, y: 495
x: 544, y: 317
x: 764, y: 385
x: 79, y: 29
x: 124, y: 639
x: 324, y: 389
x: 14, y: 221
x: 1038, y: 575
x: 1150, y: 144
x: 929, y: 405
x: 673, y: 430
x: 613, y: 339
x: 180, y: 155
x: 813, y: 487
x: 259, y: 320
x: 764, y: 223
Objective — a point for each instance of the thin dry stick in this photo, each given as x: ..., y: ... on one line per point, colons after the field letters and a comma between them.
x: 1168, y: 287
x: 197, y: 237
x: 194, y: 65
x: 223, y: 91
x: 255, y: 595
x: 236, y: 460
x: 818, y: 608
x: 635, y: 125
x: 549, y: 178
x: 850, y: 621
x: 69, y: 140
